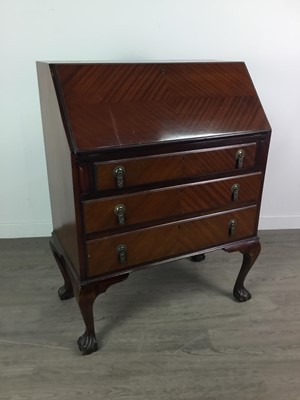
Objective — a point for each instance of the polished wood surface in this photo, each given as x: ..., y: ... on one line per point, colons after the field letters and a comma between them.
x: 59, y: 168
x: 112, y: 105
x: 170, y: 240
x: 175, y: 166
x: 181, y: 136
x: 154, y: 205
x: 250, y: 251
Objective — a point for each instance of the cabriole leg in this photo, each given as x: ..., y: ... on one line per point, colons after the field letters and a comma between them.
x: 86, y: 297
x: 87, y: 342
x: 250, y: 253
x: 65, y: 292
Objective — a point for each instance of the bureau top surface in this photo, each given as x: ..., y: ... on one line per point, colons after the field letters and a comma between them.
x: 112, y: 105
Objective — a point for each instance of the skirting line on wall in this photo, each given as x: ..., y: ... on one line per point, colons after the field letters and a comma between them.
x: 279, y: 222
x: 26, y: 229
x: 42, y: 229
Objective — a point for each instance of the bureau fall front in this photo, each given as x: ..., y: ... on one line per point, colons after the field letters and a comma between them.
x: 147, y: 163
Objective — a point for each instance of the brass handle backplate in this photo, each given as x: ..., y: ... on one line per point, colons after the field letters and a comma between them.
x: 119, y: 173
x: 122, y: 251
x: 240, y: 155
x: 232, y: 227
x: 235, y: 191
x: 120, y: 210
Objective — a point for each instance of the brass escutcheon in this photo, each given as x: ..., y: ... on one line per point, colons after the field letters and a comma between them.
x: 121, y: 251
x: 120, y: 210
x: 119, y: 173
x: 240, y: 154
x: 235, y: 191
x: 232, y: 227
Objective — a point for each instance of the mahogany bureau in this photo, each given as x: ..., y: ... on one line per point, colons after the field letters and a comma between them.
x: 147, y: 163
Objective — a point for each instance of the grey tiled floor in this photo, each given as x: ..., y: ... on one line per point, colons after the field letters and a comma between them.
x: 168, y: 332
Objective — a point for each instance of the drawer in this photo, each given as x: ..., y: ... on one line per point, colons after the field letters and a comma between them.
x: 170, y: 240
x: 163, y: 168
x: 153, y: 205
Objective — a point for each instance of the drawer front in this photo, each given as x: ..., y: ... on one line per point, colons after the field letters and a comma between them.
x: 171, y: 240
x: 102, y: 214
x: 176, y: 166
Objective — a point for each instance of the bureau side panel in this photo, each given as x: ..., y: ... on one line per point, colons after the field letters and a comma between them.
x: 59, y: 167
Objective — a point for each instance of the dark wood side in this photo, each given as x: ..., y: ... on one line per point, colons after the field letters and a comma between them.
x: 159, y: 204
x: 59, y: 167
x: 170, y: 240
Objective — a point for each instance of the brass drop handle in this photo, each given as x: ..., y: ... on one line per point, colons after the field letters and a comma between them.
x: 232, y: 227
x: 119, y: 173
x: 120, y: 210
x: 235, y: 191
x: 121, y: 252
x: 239, y: 156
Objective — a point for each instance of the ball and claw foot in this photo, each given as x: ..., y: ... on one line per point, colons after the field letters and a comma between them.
x: 198, y: 257
x: 241, y: 294
x: 87, y: 344
x: 65, y: 293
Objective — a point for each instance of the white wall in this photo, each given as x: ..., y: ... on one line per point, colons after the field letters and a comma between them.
x: 263, y: 33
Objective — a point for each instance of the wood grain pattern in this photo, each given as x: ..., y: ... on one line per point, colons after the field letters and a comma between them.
x: 162, y: 242
x: 159, y: 204
x: 176, y: 166
x: 177, y: 128
x: 112, y: 105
